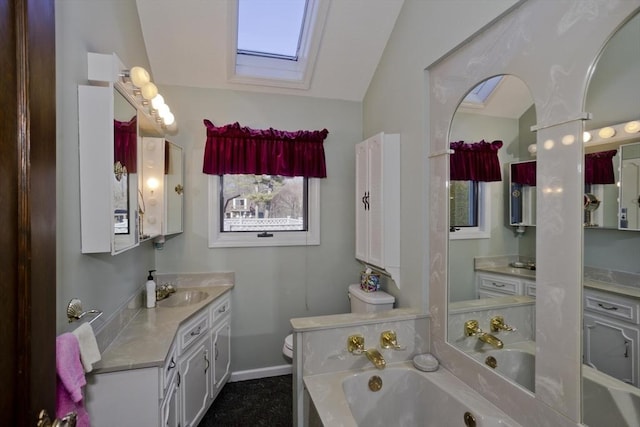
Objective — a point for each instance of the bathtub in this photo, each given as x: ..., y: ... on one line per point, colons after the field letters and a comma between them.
x: 606, y: 401
x: 407, y: 398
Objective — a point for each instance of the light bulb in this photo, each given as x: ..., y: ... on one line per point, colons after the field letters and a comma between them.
x: 152, y: 183
x: 632, y: 127
x: 532, y: 148
x: 162, y: 110
x: 157, y: 101
x: 607, y: 132
x: 149, y: 91
x: 139, y: 76
x: 169, y: 118
x: 586, y: 137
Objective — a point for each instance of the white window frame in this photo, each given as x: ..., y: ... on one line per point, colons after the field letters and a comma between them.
x: 276, y: 72
x: 230, y: 239
x: 483, y: 230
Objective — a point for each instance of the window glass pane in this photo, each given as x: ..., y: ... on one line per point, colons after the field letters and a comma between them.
x: 270, y: 28
x: 258, y: 203
x: 463, y: 206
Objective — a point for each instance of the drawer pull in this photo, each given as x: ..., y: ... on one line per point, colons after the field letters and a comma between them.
x: 196, y: 332
x: 607, y: 307
x: 222, y: 309
x: 172, y: 365
x: 498, y: 285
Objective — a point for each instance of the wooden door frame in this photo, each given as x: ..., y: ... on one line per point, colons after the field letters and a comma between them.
x: 27, y: 210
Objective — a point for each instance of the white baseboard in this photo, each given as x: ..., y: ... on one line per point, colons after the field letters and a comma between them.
x: 252, y: 374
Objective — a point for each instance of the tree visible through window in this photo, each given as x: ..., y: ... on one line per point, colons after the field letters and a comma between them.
x: 264, y: 203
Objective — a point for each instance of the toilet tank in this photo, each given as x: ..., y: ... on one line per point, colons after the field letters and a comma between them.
x: 364, y: 302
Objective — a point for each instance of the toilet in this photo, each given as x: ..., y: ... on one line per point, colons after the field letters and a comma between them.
x: 361, y: 302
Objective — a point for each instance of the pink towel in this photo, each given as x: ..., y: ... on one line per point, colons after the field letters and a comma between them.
x: 70, y: 379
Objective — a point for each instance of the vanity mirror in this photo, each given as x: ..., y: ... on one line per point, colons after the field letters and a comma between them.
x: 174, y: 187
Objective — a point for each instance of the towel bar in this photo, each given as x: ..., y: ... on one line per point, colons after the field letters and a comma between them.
x: 75, y: 312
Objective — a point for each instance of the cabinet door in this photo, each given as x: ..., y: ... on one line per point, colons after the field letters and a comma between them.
x: 221, y: 354
x: 375, y: 201
x: 196, y: 378
x: 611, y: 348
x: 361, y: 202
x: 170, y: 408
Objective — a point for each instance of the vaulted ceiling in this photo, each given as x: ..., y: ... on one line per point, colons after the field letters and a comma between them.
x: 188, y: 43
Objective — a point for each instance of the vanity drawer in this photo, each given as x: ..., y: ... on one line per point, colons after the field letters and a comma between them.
x: 221, y: 308
x: 499, y: 284
x: 192, y: 331
x: 625, y: 309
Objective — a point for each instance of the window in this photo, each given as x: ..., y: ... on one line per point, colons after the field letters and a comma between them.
x: 469, y: 210
x: 263, y: 210
x: 276, y: 42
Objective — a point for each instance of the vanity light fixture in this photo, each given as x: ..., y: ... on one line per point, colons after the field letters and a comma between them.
x: 613, y: 134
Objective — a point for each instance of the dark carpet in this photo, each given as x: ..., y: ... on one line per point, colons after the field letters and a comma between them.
x: 262, y: 402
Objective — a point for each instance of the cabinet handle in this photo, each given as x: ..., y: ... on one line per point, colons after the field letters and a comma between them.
x: 607, y: 307
x: 215, y: 346
x: 196, y: 332
x: 206, y: 359
x: 626, y: 348
x: 172, y: 365
x: 222, y: 309
x: 366, y: 198
x: 498, y: 285
x: 178, y: 379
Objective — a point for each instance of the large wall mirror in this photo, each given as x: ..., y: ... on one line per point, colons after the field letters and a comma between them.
x: 611, y: 276
x: 491, y: 259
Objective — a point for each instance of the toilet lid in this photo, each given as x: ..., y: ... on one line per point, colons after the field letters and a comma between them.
x: 288, y: 341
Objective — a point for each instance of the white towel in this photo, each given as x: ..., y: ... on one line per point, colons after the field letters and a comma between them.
x: 89, y: 352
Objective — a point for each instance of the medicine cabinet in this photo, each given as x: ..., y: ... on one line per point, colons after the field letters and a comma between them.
x: 122, y: 163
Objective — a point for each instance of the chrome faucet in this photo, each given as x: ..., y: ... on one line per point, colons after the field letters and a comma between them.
x: 472, y: 329
x: 355, y: 345
x: 164, y: 291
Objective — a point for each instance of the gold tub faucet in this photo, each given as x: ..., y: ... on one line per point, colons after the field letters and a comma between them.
x: 376, y: 358
x: 472, y: 329
x: 497, y: 324
x: 355, y: 345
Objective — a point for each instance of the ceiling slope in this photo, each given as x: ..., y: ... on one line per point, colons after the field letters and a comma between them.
x: 187, y: 43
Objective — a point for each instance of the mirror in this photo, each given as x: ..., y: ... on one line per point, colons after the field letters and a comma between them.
x: 491, y: 256
x: 174, y: 185
x: 629, y: 201
x: 522, y: 193
x: 610, y: 342
x: 125, y: 189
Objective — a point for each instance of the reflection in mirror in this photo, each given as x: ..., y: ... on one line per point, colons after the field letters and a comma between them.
x: 125, y: 169
x: 522, y: 188
x: 491, y: 259
x: 629, y: 215
x: 611, y: 283
x: 174, y: 188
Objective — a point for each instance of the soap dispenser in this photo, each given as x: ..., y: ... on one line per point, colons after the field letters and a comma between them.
x: 151, y: 290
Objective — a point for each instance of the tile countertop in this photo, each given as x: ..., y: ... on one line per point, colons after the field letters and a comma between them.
x: 146, y: 340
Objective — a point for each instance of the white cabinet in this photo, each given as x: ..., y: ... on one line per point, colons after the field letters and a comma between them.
x: 195, y: 368
x: 178, y: 393
x: 378, y: 203
x: 174, y: 189
x: 612, y: 335
x: 496, y: 285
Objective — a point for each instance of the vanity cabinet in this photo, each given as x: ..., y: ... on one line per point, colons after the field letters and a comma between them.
x: 378, y: 203
x: 495, y: 285
x: 179, y: 392
x: 612, y: 334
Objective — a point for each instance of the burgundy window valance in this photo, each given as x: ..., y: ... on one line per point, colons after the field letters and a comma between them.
x: 475, y: 162
x: 524, y: 173
x: 125, y: 143
x: 232, y: 149
x: 598, y: 167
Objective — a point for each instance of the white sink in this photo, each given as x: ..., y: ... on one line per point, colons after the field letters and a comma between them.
x: 183, y: 298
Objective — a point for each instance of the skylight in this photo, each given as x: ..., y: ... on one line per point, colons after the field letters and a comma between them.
x: 270, y: 28
x: 481, y: 93
x: 275, y: 42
